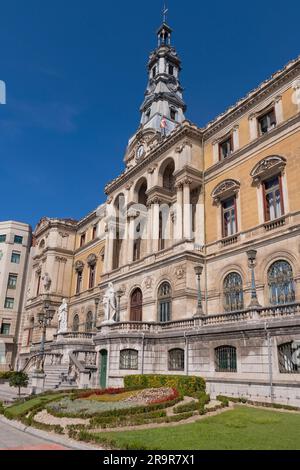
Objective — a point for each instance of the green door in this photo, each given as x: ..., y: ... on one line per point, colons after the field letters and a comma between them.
x: 103, y: 368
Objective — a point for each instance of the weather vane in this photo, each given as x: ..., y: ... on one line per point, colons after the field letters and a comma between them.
x: 165, y: 11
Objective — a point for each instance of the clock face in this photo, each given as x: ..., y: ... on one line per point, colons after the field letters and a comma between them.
x: 140, y: 151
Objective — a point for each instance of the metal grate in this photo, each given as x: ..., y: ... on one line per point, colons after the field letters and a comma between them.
x: 289, y: 358
x: 129, y: 359
x: 176, y: 359
x: 225, y: 359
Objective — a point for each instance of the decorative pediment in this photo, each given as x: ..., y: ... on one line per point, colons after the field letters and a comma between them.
x: 79, y: 265
x: 267, y: 167
x: 225, y: 189
x: 140, y: 145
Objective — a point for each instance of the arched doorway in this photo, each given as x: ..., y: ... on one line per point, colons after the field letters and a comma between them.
x: 136, y: 305
x: 103, y: 368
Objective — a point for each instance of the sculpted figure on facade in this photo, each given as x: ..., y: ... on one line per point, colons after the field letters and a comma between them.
x: 46, y: 282
x: 109, y: 304
x: 63, y: 317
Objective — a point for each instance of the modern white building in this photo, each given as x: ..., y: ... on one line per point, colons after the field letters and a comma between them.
x: 15, y: 243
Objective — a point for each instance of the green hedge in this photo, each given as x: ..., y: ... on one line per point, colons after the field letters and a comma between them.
x: 186, y: 385
x: 6, y: 375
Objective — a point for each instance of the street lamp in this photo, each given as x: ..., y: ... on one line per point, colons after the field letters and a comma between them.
x: 44, y: 318
x: 251, y: 254
x: 198, y: 271
x: 119, y: 294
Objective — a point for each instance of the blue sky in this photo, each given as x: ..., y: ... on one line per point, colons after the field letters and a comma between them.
x: 75, y: 72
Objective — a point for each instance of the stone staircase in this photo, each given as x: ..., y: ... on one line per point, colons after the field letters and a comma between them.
x: 54, y: 379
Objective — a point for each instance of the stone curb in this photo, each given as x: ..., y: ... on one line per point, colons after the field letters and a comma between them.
x: 69, y: 443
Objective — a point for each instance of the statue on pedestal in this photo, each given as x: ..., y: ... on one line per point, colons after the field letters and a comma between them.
x: 109, y: 304
x: 63, y: 317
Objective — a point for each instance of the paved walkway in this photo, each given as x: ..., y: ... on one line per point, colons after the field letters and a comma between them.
x: 14, y: 439
x: 8, y: 394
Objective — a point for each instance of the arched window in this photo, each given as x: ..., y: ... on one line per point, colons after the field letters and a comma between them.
x: 136, y: 305
x: 129, y: 359
x: 225, y: 359
x: 168, y: 176
x: 176, y: 359
x: 76, y: 323
x: 289, y: 358
x: 233, y: 292
x: 281, y: 283
x: 164, y: 302
x: 89, y: 322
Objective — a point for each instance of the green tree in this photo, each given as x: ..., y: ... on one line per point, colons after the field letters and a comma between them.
x: 18, y: 380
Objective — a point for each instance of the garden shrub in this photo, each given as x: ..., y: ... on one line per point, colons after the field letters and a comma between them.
x: 6, y: 375
x: 192, y: 406
x: 186, y: 385
x: 224, y: 400
x: 1, y: 408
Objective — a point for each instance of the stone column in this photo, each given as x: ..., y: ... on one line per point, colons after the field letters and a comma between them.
x: 149, y: 229
x: 155, y: 224
x: 131, y: 233
x: 187, y: 219
x: 178, y: 213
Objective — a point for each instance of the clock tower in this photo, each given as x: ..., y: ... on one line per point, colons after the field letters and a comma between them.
x: 163, y: 107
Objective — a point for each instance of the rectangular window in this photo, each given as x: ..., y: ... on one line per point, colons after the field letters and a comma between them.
x: 9, y: 303
x: 78, y: 282
x: 229, y: 217
x: 82, y: 240
x: 12, y: 281
x: 18, y: 239
x: 38, y: 287
x: 92, y: 276
x: 273, y: 200
x: 5, y: 329
x: 225, y: 148
x: 266, y: 122
x: 171, y: 70
x: 2, y: 238
x: 94, y: 235
x: 15, y: 257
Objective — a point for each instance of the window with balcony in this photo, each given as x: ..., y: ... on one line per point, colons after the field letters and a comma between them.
x: 15, y: 257
x: 176, y: 359
x: 5, y: 329
x: 273, y: 198
x: 12, y: 281
x: 9, y: 303
x: 129, y: 359
x: 225, y: 359
x: 233, y: 292
x: 266, y: 122
x: 229, y: 217
x: 281, y: 283
x: 225, y: 148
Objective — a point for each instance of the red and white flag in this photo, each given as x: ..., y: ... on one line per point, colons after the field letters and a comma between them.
x: 163, y: 123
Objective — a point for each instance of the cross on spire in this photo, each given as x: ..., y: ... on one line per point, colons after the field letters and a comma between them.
x: 164, y: 12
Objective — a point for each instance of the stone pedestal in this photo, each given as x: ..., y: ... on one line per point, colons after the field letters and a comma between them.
x: 37, y: 382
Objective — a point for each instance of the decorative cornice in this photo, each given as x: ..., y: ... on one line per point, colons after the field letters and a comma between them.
x: 264, y: 90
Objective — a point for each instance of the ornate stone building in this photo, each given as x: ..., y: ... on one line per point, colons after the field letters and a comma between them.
x: 201, y: 247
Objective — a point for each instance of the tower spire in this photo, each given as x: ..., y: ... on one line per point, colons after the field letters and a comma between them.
x: 165, y: 12
x: 163, y: 101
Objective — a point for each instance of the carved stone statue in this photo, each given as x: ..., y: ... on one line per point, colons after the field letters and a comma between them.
x: 109, y: 304
x: 63, y: 317
x: 46, y: 282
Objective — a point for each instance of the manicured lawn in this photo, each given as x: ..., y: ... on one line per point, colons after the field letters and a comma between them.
x: 239, y: 429
x: 19, y: 409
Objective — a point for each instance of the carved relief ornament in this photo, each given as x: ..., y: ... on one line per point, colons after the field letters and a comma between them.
x: 267, y: 167
x: 224, y: 190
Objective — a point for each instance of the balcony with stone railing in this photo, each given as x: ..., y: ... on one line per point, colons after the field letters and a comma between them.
x: 247, y: 315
